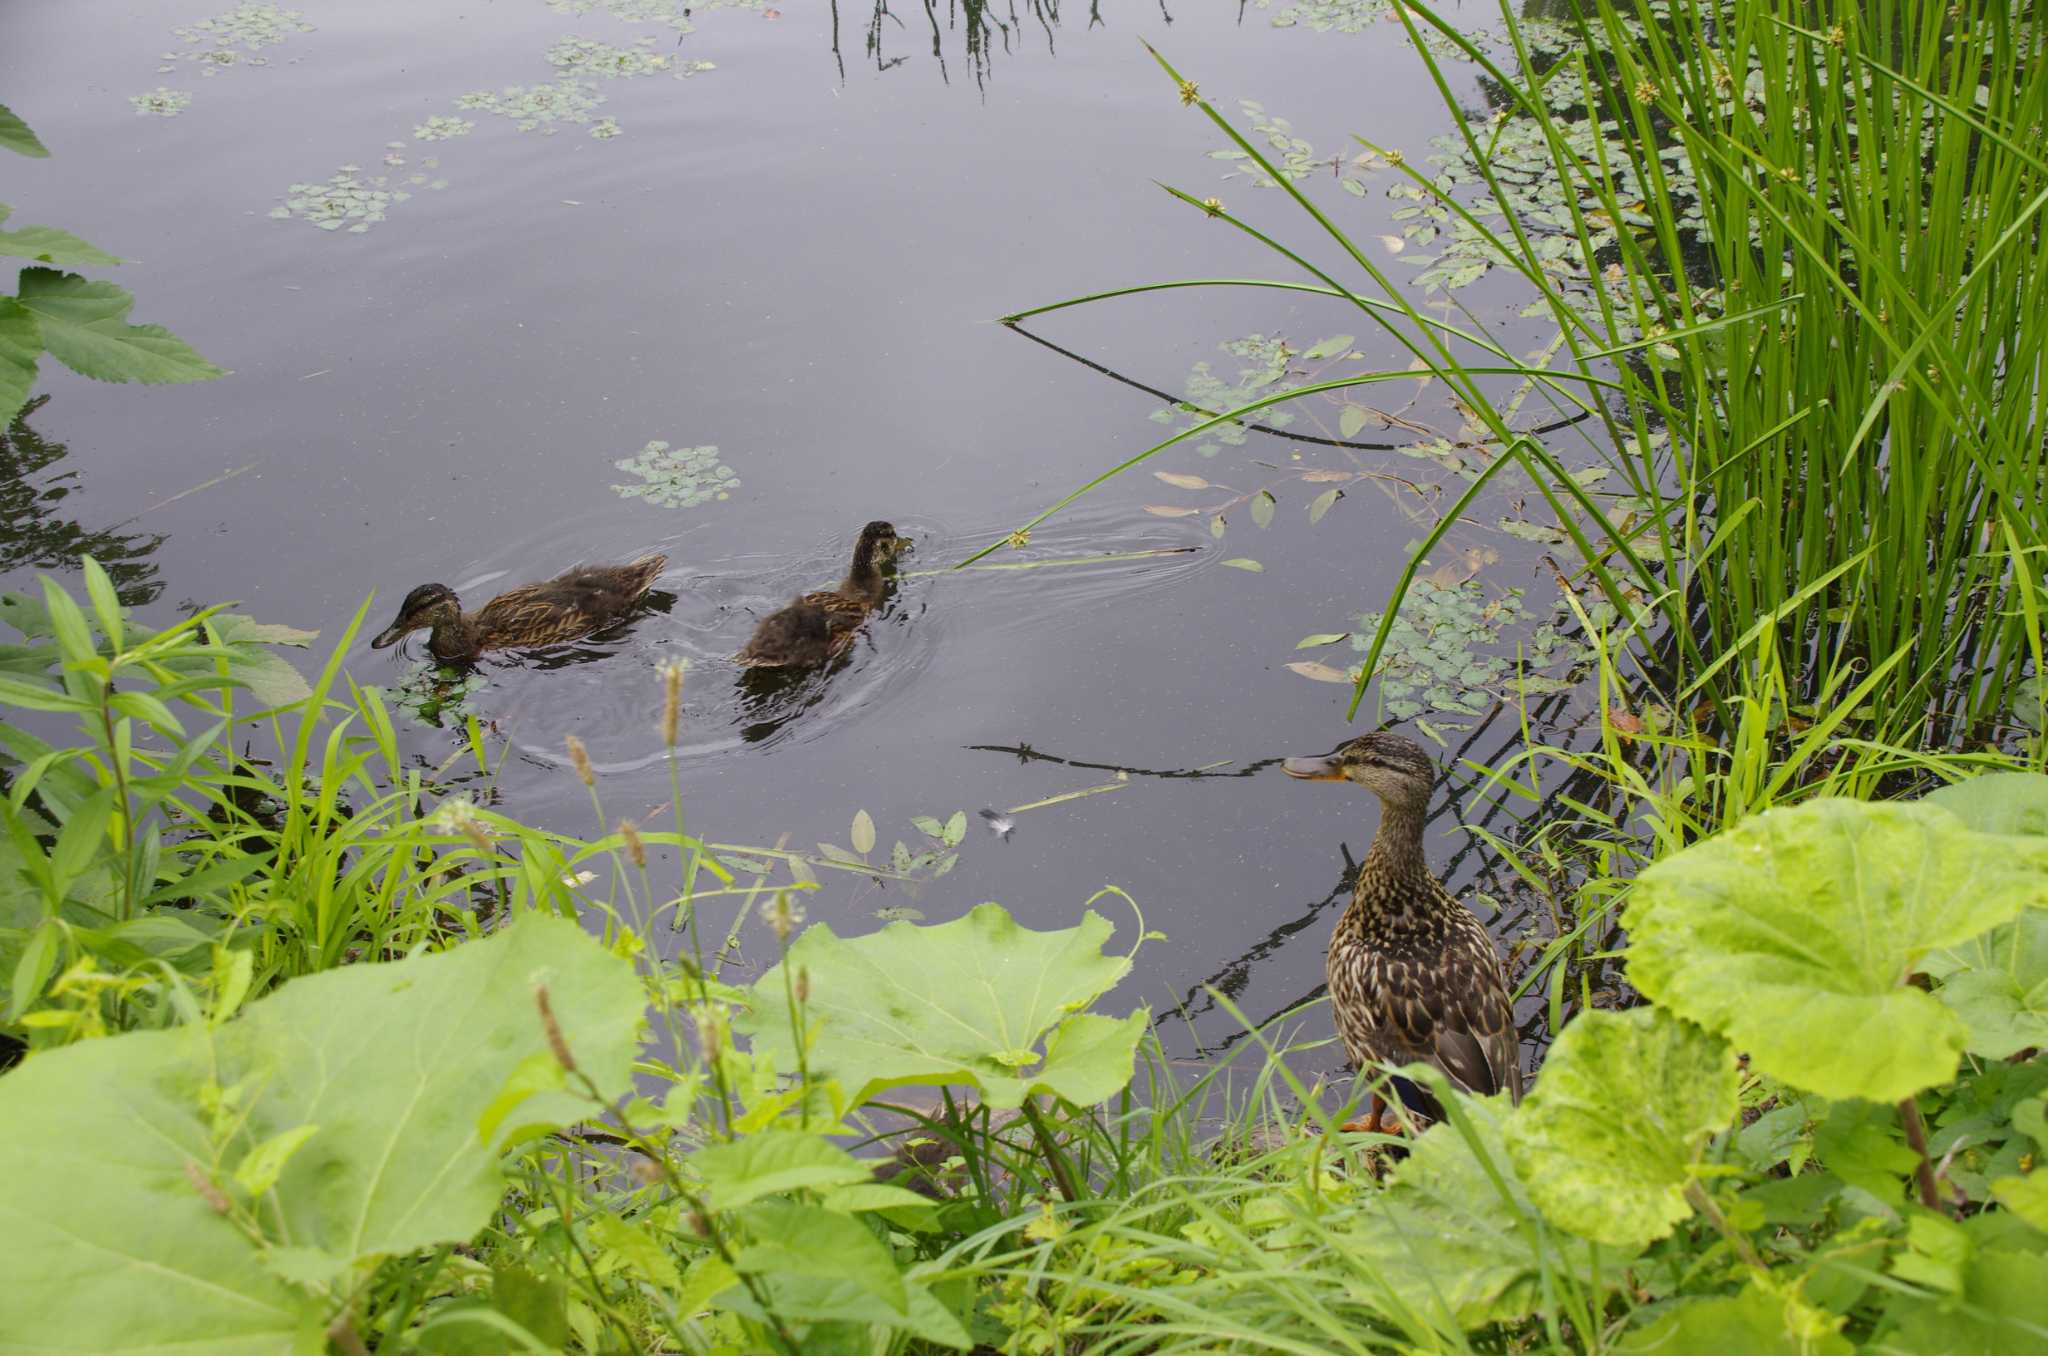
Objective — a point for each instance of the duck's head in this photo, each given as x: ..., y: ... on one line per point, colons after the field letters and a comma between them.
x: 878, y: 545
x: 422, y: 608
x: 1394, y: 767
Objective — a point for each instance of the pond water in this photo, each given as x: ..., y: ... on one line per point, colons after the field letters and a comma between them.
x: 796, y: 254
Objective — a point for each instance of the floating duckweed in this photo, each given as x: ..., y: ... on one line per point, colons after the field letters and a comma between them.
x: 438, y: 128
x: 161, y: 102
x: 1266, y: 367
x: 678, y: 477
x: 230, y: 39
x: 581, y: 56
x: 690, y: 68
x: 1355, y: 16
x: 604, y: 129
x: 350, y: 200
x: 538, y: 106
x: 434, y: 696
x: 673, y: 13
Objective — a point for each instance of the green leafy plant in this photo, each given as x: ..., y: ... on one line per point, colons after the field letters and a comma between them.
x: 80, y: 322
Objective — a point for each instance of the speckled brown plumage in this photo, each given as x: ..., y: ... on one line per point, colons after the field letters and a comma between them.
x: 1414, y: 977
x: 819, y: 627
x: 567, y: 607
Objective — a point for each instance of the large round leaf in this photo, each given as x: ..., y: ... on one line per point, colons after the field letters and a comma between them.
x: 965, y: 1002
x: 1607, y: 1139
x: 1998, y: 802
x: 362, y: 1090
x: 1794, y: 935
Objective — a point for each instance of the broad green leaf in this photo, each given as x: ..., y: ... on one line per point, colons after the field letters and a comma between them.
x: 773, y: 1161
x: 84, y: 326
x: 1331, y: 347
x: 2003, y: 1304
x: 261, y: 1166
x: 1794, y: 933
x: 1998, y: 802
x: 1263, y: 504
x: 943, y: 1003
x: 15, y: 136
x: 1998, y: 985
x: 863, y: 833
x: 49, y: 245
x: 394, y: 1062
x: 928, y: 826
x: 1442, y: 1241
x: 2025, y: 1196
x: 638, y: 1248
x: 1608, y: 1137
x: 1321, y: 504
x: 822, y: 1245
x: 956, y: 829
x: 1351, y: 420
x: 1756, y: 1322
x: 21, y: 342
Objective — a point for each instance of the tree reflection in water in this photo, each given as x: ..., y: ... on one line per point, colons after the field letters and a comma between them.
x: 35, y: 534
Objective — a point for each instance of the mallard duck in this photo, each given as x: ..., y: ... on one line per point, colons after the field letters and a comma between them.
x: 1414, y: 977
x: 587, y: 598
x: 818, y: 627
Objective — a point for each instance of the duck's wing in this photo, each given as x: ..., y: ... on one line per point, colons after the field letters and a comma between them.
x: 1450, y: 1011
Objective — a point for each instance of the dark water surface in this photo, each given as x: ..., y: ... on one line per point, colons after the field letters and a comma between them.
x: 802, y: 267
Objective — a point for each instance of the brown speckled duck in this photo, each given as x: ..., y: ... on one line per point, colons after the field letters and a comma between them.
x: 1414, y: 977
x: 819, y: 627
x: 567, y: 607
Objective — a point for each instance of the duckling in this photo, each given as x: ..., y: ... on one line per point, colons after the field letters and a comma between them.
x: 819, y: 627
x: 587, y: 598
x: 1414, y: 977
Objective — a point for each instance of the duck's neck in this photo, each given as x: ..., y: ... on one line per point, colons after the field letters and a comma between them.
x: 1396, y: 855
x: 455, y: 637
x: 864, y: 580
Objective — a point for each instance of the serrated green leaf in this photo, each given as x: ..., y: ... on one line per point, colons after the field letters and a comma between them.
x: 819, y: 1244
x: 1998, y: 985
x: 49, y: 245
x: 1794, y: 933
x: 84, y: 326
x: 16, y: 137
x: 1756, y: 1322
x: 771, y: 1162
x: 21, y: 342
x: 1608, y: 1137
x: 938, y: 1004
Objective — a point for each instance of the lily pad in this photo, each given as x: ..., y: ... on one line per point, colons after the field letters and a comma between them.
x: 678, y: 477
x: 1608, y: 1137
x: 1793, y: 935
x: 979, y: 1001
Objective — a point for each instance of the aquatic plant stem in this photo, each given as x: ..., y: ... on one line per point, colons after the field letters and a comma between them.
x: 1062, y: 1174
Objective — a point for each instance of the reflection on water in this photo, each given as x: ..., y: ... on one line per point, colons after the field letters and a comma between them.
x: 35, y: 536
x: 982, y: 28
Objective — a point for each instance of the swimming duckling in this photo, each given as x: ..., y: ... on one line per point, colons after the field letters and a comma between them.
x: 587, y: 598
x: 819, y: 627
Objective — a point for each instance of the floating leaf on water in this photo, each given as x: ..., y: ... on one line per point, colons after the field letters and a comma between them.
x: 442, y: 128
x: 1263, y: 505
x: 541, y: 107
x: 956, y: 829
x: 1325, y: 477
x: 1537, y: 532
x: 1216, y: 527
x: 1245, y: 563
x: 1322, y: 638
x: 900, y: 913
x: 928, y: 826
x: 1331, y: 347
x: 582, y: 56
x: 863, y: 833
x: 1352, y: 420
x: 1321, y: 673
x: 161, y: 102
x: 1179, y: 481
x: 1393, y: 244
x: 678, y: 477
x: 1171, y: 511
x: 1321, y: 504
x: 1265, y: 372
